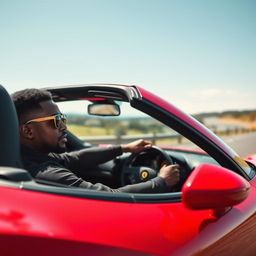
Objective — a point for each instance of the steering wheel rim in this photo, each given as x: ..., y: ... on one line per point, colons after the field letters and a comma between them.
x: 139, y: 171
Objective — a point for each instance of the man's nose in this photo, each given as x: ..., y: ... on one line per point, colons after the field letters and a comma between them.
x: 63, y: 126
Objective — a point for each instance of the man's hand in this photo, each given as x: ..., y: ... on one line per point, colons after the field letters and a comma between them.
x: 171, y: 174
x: 136, y: 146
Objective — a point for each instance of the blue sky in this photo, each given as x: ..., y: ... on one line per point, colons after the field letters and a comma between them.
x: 198, y: 54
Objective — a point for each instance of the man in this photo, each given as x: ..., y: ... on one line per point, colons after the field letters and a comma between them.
x: 43, y: 143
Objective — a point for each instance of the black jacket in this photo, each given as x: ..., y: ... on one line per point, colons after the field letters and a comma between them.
x: 66, y: 169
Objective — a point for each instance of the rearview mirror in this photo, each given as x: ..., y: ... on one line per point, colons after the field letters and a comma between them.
x: 103, y: 109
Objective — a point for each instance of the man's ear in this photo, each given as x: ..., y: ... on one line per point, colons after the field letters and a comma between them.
x: 26, y: 132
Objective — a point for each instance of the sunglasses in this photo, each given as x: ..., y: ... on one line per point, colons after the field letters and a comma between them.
x: 57, y: 119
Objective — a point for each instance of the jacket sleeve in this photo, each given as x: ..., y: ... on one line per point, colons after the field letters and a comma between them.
x: 155, y: 185
x: 82, y: 160
x: 58, y: 174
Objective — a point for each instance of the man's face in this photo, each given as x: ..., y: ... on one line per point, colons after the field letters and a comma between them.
x: 46, y: 137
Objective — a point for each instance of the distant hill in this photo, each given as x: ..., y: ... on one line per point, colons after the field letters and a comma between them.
x: 249, y: 115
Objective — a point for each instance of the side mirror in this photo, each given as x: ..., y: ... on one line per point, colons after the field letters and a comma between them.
x: 211, y: 187
x: 103, y: 109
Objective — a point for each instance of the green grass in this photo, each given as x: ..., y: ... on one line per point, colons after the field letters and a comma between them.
x: 81, y: 130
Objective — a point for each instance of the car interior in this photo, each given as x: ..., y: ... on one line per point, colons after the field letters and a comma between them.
x: 125, y: 169
x: 118, y: 172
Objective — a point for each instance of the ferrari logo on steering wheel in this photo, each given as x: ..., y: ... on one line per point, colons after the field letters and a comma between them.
x: 144, y: 174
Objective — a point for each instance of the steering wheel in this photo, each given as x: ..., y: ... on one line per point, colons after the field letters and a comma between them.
x: 132, y: 174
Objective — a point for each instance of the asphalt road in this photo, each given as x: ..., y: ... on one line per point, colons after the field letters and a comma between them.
x: 243, y: 144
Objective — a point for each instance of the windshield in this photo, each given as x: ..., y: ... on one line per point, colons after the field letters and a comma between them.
x: 131, y: 124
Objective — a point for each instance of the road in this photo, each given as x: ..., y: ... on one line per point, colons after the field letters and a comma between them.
x: 243, y: 144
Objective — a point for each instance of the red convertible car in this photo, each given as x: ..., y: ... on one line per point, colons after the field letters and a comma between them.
x: 210, y: 212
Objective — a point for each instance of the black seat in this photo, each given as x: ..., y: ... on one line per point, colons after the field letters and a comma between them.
x: 9, y: 132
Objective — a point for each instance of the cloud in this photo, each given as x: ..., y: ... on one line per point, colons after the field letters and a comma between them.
x: 209, y: 93
x: 214, y: 99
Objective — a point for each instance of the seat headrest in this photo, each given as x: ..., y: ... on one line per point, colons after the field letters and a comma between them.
x: 9, y: 132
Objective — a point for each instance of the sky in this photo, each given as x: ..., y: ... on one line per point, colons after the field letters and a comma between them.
x: 198, y: 54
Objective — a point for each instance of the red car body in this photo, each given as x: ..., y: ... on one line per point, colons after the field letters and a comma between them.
x: 213, y: 214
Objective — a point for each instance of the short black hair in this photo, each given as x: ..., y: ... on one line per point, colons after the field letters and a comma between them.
x: 28, y: 100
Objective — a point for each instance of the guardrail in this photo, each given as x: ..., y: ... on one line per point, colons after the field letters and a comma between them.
x: 153, y: 137
x: 118, y: 139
